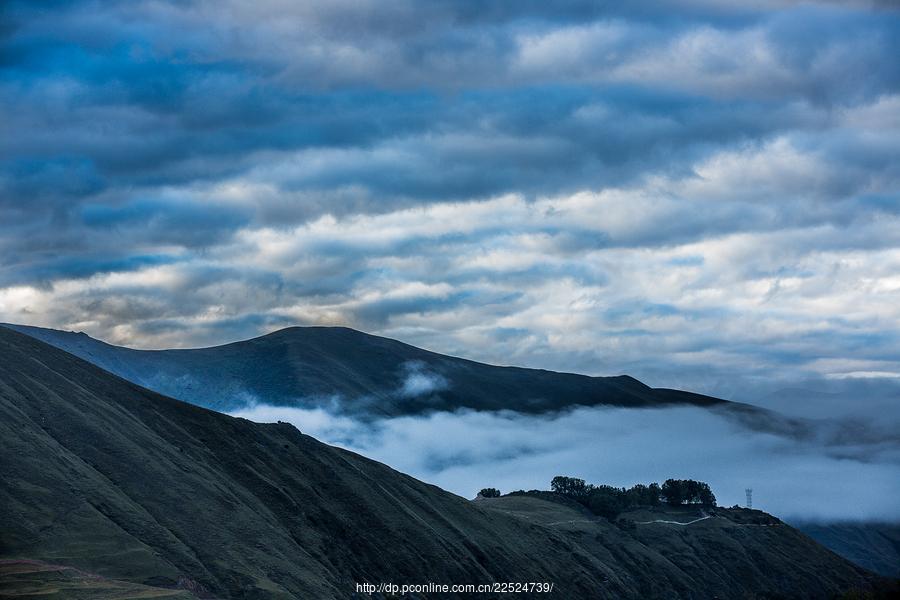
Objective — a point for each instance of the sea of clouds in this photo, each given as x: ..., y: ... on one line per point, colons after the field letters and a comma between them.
x: 824, y: 476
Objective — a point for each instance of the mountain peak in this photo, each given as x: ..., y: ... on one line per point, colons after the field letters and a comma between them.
x: 302, y: 366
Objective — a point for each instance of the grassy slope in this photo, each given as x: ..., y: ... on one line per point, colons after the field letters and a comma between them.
x: 300, y: 365
x: 33, y: 580
x: 875, y: 546
x: 105, y: 476
x: 112, y: 478
x: 734, y: 549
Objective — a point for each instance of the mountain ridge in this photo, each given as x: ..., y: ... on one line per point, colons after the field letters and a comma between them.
x: 105, y: 476
x: 355, y: 372
x: 186, y: 374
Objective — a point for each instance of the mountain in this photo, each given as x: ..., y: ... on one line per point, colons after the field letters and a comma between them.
x: 354, y: 372
x: 875, y: 546
x: 131, y: 488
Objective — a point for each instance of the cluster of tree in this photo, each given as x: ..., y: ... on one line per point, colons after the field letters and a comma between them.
x: 687, y: 491
x: 608, y: 501
x: 489, y: 493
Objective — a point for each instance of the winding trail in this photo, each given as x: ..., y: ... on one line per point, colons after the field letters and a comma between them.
x: 703, y: 518
x: 573, y: 521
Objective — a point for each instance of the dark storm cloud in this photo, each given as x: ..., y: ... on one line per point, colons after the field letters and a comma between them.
x: 698, y: 193
x: 153, y: 94
x: 175, y: 221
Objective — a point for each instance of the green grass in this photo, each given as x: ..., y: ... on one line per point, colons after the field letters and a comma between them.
x: 36, y: 580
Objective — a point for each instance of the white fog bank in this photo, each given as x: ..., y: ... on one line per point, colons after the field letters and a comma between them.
x: 465, y: 451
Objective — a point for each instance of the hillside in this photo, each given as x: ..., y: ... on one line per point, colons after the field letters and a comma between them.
x: 875, y: 546
x: 353, y: 372
x: 107, y: 477
x: 677, y: 548
x: 36, y: 579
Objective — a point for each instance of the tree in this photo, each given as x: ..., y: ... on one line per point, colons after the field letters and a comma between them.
x: 672, y: 492
x: 687, y: 491
x: 653, y: 494
x: 643, y: 495
x: 489, y: 493
x: 635, y: 495
x: 607, y: 501
x: 691, y: 491
x: 707, y: 498
x: 570, y: 486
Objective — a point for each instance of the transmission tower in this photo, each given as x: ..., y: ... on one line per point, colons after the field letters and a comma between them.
x: 749, y: 492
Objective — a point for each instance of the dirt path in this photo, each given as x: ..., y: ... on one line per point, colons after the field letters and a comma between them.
x: 573, y: 521
x: 703, y: 518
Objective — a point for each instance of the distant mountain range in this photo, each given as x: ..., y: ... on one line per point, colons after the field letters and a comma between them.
x: 144, y: 494
x: 354, y: 372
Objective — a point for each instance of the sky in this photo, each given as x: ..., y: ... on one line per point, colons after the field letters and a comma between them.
x: 699, y: 193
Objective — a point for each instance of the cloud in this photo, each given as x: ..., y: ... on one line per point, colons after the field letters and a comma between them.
x: 702, y: 195
x: 419, y: 381
x: 811, y: 479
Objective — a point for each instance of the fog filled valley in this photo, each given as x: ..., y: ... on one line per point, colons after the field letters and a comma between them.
x: 826, y: 468
x: 818, y: 473
x: 98, y: 470
x: 815, y: 479
x: 824, y: 482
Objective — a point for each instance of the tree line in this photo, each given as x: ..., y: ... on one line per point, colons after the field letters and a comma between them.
x: 608, y: 501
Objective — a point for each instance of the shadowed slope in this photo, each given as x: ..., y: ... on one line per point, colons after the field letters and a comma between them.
x: 355, y: 372
x: 109, y: 477
x: 105, y: 476
x: 30, y: 579
x: 875, y: 546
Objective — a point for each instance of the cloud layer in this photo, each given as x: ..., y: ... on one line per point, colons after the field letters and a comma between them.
x: 699, y: 195
x: 824, y: 478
